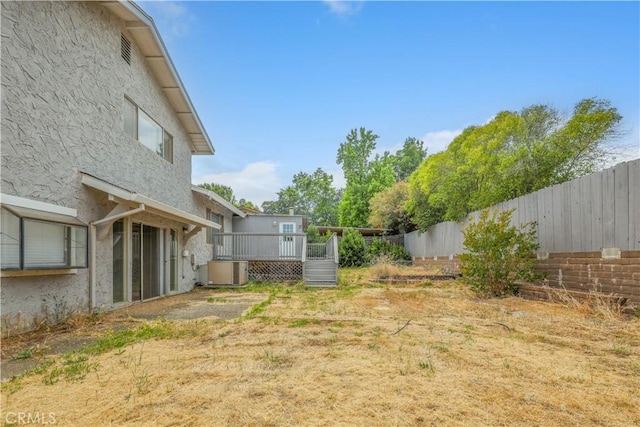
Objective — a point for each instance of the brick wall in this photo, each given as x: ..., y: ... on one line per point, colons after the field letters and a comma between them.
x: 587, y: 271
x: 445, y: 264
x: 579, y: 272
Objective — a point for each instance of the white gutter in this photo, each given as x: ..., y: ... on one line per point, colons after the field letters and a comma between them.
x: 152, y: 206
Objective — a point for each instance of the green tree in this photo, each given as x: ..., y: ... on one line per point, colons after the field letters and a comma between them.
x: 227, y: 193
x: 222, y: 190
x: 248, y: 204
x: 314, y: 236
x: 514, y: 154
x: 408, y: 158
x: 364, y: 177
x: 497, y: 254
x: 388, y: 209
x: 312, y: 195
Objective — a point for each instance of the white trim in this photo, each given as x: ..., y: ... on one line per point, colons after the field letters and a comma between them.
x: 21, y: 202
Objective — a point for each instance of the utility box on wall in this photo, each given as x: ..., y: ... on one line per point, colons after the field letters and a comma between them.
x: 228, y: 272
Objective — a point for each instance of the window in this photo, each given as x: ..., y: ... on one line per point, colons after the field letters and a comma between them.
x: 218, y: 219
x: 36, y: 244
x: 288, y: 228
x: 138, y: 125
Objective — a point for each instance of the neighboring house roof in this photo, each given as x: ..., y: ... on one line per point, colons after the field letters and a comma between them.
x: 363, y: 231
x: 218, y: 199
x: 147, y: 38
x: 250, y: 211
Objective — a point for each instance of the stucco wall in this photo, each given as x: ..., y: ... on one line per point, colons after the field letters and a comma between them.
x: 63, y: 92
x: 64, y: 83
x: 264, y: 223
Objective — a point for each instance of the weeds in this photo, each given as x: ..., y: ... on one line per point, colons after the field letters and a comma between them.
x: 73, y: 368
x: 26, y: 353
x: 260, y: 308
x: 596, y: 303
x: 427, y: 365
x: 384, y: 268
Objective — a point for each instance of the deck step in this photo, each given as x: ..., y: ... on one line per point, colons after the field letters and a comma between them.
x: 320, y: 273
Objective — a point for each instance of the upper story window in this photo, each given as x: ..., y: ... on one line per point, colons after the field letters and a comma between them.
x: 138, y: 125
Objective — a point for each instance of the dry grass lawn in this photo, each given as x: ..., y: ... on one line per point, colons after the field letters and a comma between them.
x: 356, y: 355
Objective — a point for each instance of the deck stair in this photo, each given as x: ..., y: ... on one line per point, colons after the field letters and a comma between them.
x: 320, y: 272
x: 320, y: 263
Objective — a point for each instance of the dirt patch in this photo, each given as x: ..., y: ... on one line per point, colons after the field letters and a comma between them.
x: 27, y: 351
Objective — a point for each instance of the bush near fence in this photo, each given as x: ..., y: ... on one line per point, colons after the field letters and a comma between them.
x: 588, y: 230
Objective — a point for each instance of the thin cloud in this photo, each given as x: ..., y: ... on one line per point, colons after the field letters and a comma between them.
x: 439, y: 140
x: 343, y: 8
x: 256, y: 182
x: 171, y: 16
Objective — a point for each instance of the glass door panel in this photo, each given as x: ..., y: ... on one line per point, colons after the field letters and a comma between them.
x: 136, y: 264
x: 119, y: 261
x: 151, y: 262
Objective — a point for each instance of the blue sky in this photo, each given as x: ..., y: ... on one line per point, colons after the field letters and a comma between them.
x: 278, y: 85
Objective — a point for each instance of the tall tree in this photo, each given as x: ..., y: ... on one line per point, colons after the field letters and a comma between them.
x: 310, y: 194
x: 364, y: 176
x: 408, y: 158
x: 514, y: 154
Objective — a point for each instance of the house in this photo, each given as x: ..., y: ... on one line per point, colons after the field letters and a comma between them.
x: 98, y: 131
x: 275, y: 248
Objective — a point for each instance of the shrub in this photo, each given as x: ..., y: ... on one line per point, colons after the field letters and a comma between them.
x: 497, y: 254
x: 314, y: 236
x: 381, y: 247
x: 353, y: 249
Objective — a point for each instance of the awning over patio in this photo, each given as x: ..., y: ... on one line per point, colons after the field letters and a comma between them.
x: 128, y: 199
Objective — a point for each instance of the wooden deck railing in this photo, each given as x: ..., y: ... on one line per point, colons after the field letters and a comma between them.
x: 259, y: 246
x: 327, y: 250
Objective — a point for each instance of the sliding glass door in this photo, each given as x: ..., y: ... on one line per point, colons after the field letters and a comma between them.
x: 145, y: 261
x: 146, y: 265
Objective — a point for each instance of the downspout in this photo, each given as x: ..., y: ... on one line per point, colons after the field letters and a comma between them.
x: 92, y: 244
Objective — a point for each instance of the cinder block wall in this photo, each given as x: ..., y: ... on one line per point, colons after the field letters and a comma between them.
x: 581, y: 272
x: 589, y: 271
x: 445, y: 264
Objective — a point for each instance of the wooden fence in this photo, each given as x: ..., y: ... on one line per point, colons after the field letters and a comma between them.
x: 597, y: 211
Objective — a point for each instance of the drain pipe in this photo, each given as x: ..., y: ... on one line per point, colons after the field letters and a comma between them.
x: 93, y: 238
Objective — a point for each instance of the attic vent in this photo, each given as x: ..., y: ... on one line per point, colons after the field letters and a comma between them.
x: 125, y: 48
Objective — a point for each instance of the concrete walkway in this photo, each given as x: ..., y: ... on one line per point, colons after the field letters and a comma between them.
x: 201, y: 303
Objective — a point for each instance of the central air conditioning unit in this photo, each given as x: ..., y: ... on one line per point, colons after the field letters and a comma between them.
x: 228, y: 272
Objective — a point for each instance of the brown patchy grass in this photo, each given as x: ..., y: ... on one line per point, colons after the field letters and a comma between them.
x: 361, y: 355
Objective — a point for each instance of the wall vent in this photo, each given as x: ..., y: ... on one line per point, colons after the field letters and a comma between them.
x: 125, y: 49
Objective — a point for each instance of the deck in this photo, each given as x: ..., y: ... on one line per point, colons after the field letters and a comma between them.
x: 280, y: 256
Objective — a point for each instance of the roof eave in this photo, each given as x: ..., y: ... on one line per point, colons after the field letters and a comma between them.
x: 141, y: 26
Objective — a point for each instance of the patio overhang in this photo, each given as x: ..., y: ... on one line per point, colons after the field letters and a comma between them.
x: 138, y: 202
